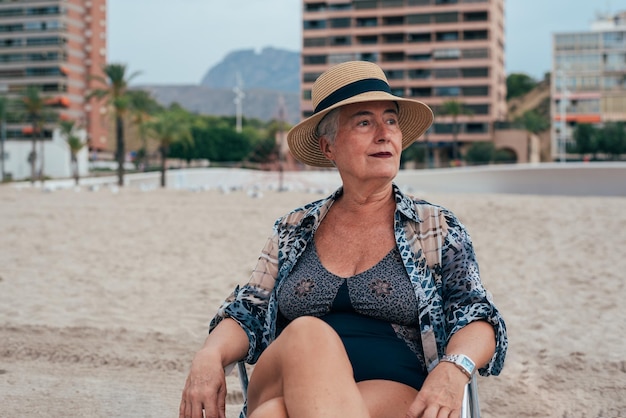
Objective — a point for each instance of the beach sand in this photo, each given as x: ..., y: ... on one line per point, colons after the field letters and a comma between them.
x: 105, y: 296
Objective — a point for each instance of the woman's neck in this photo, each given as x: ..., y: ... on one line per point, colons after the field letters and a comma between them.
x: 364, y: 200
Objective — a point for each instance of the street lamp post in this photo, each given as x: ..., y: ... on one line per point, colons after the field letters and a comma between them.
x: 563, y: 111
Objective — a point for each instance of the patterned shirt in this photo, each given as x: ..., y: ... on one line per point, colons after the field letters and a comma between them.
x: 449, y: 291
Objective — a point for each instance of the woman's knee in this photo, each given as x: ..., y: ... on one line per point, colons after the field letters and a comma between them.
x: 309, y: 332
x: 273, y: 408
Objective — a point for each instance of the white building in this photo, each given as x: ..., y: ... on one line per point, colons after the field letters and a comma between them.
x: 56, y: 157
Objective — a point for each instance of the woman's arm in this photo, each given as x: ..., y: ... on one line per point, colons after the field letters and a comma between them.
x: 205, y: 388
x: 443, y: 389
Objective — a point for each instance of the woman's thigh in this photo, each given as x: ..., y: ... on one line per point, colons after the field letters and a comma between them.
x: 386, y: 399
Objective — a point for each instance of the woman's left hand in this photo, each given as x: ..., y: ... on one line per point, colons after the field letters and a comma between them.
x: 441, y: 395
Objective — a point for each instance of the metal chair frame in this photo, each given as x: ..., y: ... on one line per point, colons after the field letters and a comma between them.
x: 469, y: 409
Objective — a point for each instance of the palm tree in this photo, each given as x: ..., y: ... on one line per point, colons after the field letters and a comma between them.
x: 33, y: 105
x: 115, y: 88
x: 454, y: 108
x: 169, y: 127
x: 68, y: 130
x: 142, y: 105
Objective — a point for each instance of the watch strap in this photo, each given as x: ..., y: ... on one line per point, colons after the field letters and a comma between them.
x: 464, y: 363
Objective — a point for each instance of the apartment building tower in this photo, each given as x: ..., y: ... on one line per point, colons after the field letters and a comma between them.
x: 56, y: 46
x: 589, y: 73
x: 435, y: 51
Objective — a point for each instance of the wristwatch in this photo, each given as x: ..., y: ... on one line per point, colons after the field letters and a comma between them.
x: 464, y: 363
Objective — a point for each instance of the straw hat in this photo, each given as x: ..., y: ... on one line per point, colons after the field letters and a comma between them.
x: 346, y: 83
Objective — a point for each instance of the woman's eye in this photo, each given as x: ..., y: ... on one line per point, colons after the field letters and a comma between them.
x: 364, y: 123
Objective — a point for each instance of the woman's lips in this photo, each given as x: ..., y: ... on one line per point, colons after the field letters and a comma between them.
x: 382, y: 155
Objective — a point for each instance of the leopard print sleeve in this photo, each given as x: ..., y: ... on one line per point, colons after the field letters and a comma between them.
x: 464, y: 296
x: 248, y: 305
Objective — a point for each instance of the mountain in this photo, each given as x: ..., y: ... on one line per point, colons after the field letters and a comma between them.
x: 268, y: 79
x: 259, y: 104
x: 271, y: 69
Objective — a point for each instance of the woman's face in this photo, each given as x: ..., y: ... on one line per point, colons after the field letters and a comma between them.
x: 368, y: 143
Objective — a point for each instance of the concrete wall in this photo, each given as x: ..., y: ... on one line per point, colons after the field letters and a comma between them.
x: 56, y: 158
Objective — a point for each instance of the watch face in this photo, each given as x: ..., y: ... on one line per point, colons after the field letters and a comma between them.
x: 467, y: 363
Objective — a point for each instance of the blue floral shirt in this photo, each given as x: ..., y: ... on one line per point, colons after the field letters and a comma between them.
x: 436, y: 251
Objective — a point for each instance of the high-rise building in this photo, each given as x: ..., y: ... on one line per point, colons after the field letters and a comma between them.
x: 57, y: 46
x: 435, y: 51
x: 589, y: 73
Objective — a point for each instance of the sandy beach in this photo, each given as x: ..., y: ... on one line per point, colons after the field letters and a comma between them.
x: 105, y: 296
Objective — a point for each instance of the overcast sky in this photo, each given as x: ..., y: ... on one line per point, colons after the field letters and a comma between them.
x: 176, y: 42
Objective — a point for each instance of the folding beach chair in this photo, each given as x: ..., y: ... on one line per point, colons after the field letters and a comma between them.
x: 470, y: 408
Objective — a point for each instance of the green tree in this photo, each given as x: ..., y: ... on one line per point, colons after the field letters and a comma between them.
x: 534, y: 122
x: 142, y: 106
x: 34, y: 106
x: 612, y: 139
x: 68, y: 130
x: 455, y: 109
x: 585, y: 137
x: 114, y: 90
x: 480, y: 153
x: 167, y: 128
x: 518, y: 84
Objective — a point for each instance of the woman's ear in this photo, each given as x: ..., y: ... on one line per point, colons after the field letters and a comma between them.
x: 325, y: 147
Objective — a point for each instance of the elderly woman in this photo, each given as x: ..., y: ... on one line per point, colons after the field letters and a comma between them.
x: 367, y: 303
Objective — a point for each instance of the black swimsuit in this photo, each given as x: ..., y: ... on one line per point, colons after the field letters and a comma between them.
x: 374, y: 313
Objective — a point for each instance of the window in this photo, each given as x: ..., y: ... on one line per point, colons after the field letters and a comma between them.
x: 306, y: 94
x: 447, y: 73
x: 419, y: 74
x: 446, y: 1
x: 310, y: 77
x: 475, y: 53
x: 314, y: 59
x: 447, y: 91
x: 397, y: 91
x: 11, y: 12
x: 474, y: 35
x: 446, y: 54
x: 43, y: 72
x: 340, y: 40
x: 365, y: 4
x: 393, y: 20
x: 343, y: 22
x: 391, y: 3
x: 419, y: 37
x: 314, y: 24
x: 44, y: 41
x: 346, y: 6
x: 418, y: 57
x: 369, y: 56
x: 419, y: 19
x: 476, y: 128
x: 476, y: 72
x: 421, y: 92
x: 475, y: 17
x: 449, y: 17
x: 393, y: 38
x: 477, y: 109
x: 313, y: 42
x: 394, y: 74
x: 393, y: 56
x: 314, y: 7
x: 366, y: 22
x: 367, y: 40
x: 419, y: 2
x: 476, y: 91
x: 447, y: 36
x: 339, y: 58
